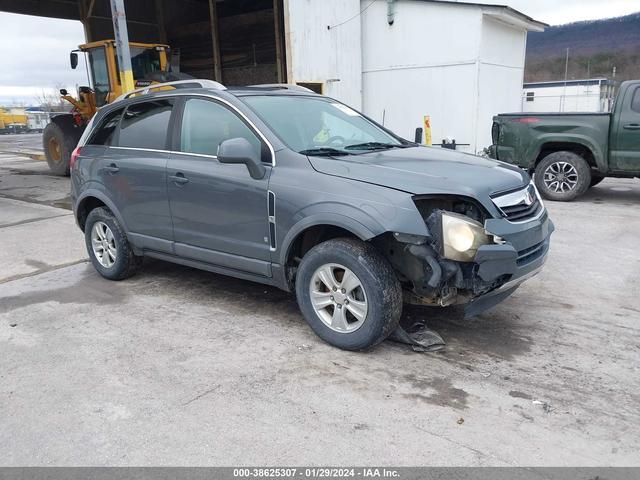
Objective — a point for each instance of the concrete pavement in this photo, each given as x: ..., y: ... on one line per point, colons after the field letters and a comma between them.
x: 181, y: 367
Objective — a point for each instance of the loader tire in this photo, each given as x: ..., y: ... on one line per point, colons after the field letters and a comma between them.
x: 58, y: 140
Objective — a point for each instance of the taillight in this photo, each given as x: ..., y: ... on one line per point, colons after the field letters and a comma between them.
x: 526, y: 120
x: 74, y: 156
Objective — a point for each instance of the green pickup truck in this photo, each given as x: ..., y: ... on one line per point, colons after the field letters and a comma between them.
x: 569, y: 152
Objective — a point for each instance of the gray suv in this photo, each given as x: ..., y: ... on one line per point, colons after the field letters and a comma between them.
x: 278, y: 185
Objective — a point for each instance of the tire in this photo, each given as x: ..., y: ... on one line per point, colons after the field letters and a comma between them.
x: 378, y: 286
x: 595, y: 180
x: 58, y: 140
x: 568, y: 176
x: 126, y: 264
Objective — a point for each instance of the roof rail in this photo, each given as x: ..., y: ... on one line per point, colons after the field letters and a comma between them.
x: 284, y: 86
x: 191, y: 83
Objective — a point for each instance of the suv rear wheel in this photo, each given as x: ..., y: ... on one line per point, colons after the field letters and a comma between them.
x: 349, y: 294
x: 562, y: 176
x: 108, y: 247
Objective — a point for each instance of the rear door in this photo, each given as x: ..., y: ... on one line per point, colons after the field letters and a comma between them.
x: 219, y: 212
x: 133, y: 171
x: 625, y: 148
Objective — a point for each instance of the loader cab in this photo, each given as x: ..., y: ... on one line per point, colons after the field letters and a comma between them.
x: 102, y: 63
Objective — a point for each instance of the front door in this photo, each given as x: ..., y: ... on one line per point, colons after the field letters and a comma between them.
x: 625, y: 145
x: 219, y: 212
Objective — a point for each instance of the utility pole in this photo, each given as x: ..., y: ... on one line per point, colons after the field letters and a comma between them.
x: 122, y: 44
x: 566, y: 73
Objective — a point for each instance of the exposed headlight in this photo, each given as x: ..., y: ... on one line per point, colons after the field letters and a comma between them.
x: 461, y: 237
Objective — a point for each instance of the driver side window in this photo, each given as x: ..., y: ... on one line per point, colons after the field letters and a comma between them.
x: 206, y: 124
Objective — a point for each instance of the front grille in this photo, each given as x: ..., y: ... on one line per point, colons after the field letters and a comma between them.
x: 521, y: 205
x: 530, y: 254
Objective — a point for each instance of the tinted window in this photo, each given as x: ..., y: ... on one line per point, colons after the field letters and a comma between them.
x: 635, y: 102
x: 206, y: 124
x: 145, y: 124
x: 103, y: 135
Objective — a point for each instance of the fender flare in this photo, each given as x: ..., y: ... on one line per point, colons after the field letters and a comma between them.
x: 95, y: 193
x: 359, y: 229
x: 581, y: 140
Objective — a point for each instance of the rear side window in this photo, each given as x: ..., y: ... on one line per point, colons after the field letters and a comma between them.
x: 206, y: 124
x: 635, y: 102
x: 145, y: 125
x: 104, y: 134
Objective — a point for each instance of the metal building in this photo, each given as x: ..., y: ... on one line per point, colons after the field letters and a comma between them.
x: 592, y: 95
x: 397, y: 60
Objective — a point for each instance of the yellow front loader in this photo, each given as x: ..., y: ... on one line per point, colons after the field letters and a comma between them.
x: 150, y: 64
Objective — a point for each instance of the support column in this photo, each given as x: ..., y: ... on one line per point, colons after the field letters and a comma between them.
x: 277, y: 23
x: 162, y: 31
x: 122, y: 44
x: 215, y: 41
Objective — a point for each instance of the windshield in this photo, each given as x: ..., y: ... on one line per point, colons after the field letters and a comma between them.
x: 320, y: 125
x: 144, y: 61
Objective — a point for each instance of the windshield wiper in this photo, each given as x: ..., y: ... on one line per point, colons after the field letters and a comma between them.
x: 375, y: 146
x: 324, y: 151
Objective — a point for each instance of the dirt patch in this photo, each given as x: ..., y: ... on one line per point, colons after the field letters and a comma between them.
x: 89, y: 289
x: 517, y: 394
x: 445, y: 394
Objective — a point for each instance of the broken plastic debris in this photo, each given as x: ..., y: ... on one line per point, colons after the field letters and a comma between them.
x: 418, y: 336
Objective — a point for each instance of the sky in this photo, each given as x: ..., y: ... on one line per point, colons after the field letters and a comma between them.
x: 35, y: 51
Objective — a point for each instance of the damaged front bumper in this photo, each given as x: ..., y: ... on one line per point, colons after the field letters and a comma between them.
x: 496, y: 271
x: 521, y: 257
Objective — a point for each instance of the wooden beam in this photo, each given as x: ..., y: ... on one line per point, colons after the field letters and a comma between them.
x: 277, y: 24
x: 215, y: 40
x: 287, y: 42
x: 82, y: 11
x: 90, y: 10
x: 162, y: 31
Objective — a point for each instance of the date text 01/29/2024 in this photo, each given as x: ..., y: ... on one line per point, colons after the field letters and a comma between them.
x: 316, y: 472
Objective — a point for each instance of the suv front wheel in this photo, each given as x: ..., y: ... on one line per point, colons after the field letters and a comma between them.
x: 348, y: 293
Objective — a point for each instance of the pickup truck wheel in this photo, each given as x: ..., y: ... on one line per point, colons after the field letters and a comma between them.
x: 562, y: 176
x: 348, y: 294
x: 108, y: 247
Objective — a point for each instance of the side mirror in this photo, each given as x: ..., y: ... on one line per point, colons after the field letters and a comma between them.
x: 239, y: 150
x: 73, y: 58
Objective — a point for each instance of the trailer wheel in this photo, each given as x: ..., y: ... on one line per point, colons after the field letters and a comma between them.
x: 59, y: 139
x: 562, y: 176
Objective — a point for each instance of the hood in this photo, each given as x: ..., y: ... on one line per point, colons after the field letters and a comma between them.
x: 426, y: 170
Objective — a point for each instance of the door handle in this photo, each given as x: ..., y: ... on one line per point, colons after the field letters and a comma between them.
x: 113, y: 168
x: 631, y: 126
x: 179, y: 178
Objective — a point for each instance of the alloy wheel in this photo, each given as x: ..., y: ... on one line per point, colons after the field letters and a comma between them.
x: 103, y: 244
x: 338, y: 298
x: 560, y: 177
